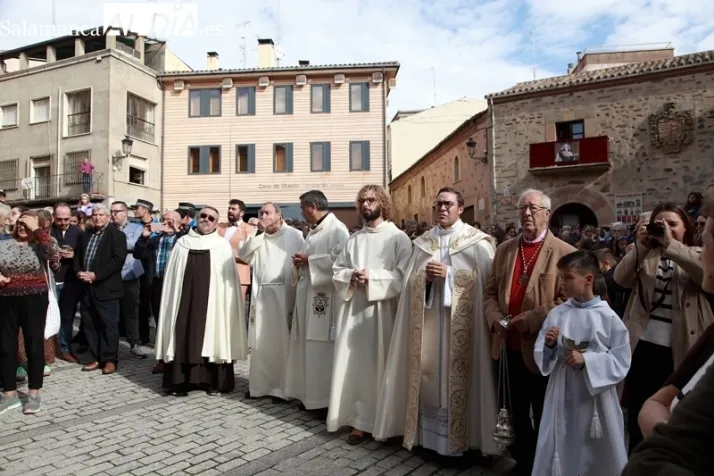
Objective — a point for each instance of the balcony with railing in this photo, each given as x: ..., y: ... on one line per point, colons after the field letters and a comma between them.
x: 49, y: 189
x: 590, y: 153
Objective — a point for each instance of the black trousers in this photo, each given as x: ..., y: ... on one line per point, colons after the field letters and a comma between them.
x: 69, y: 297
x: 101, y: 325
x: 651, y: 366
x: 129, y: 306
x: 145, y: 307
x: 527, y: 392
x: 28, y: 313
x: 156, y: 288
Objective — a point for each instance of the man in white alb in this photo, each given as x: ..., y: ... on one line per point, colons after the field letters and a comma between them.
x: 368, y: 279
x: 270, y: 253
x: 439, y: 367
x: 312, y: 337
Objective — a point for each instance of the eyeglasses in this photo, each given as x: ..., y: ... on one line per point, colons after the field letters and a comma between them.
x: 439, y: 203
x: 532, y: 208
x: 206, y: 216
x: 368, y: 200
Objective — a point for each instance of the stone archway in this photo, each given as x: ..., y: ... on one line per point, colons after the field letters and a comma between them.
x: 594, y: 200
x: 572, y: 214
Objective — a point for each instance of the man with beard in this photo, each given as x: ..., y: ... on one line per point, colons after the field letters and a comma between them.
x: 438, y: 389
x: 237, y: 232
x: 272, y: 302
x: 312, y: 336
x: 368, y: 279
x: 201, y: 323
x: 525, y: 284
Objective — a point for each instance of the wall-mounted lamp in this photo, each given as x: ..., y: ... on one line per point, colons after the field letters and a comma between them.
x: 118, y: 159
x: 471, y: 147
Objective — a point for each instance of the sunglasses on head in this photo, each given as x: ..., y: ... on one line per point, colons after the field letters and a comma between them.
x: 206, y: 216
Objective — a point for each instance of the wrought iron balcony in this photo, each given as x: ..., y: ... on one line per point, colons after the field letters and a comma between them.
x: 50, y: 189
x: 561, y: 156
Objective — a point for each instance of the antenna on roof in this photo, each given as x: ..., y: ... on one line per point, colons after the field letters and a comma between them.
x: 533, y: 40
x: 279, y: 52
x: 243, y: 47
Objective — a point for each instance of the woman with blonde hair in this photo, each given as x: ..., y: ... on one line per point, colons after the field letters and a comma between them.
x: 5, y: 212
x: 24, y: 299
x: 44, y: 220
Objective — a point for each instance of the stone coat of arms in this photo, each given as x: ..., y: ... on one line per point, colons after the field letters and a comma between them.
x: 320, y: 302
x: 671, y: 130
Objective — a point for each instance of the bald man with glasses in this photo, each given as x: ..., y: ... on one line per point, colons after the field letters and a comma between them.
x: 69, y: 289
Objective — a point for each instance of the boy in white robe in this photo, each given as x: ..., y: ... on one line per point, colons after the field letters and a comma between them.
x: 584, y: 347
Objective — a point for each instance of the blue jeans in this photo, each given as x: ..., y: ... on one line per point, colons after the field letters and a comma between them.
x: 86, y: 183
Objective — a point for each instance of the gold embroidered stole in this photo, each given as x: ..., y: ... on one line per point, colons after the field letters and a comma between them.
x: 460, y: 342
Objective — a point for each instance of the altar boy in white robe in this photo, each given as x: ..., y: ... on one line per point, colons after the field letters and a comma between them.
x: 270, y: 253
x: 584, y: 347
x: 312, y: 337
x: 368, y: 279
x: 439, y: 390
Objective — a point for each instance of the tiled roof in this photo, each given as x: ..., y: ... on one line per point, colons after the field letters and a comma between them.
x: 607, y: 74
x: 346, y: 66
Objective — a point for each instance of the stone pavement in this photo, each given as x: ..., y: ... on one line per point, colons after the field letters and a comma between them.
x: 123, y: 425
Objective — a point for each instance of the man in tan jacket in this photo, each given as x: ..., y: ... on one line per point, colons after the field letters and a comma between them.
x: 524, y: 283
x: 237, y: 232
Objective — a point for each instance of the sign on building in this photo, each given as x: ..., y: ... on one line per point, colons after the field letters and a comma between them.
x: 628, y: 208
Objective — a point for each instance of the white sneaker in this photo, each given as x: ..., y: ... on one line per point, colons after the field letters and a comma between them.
x: 137, y: 352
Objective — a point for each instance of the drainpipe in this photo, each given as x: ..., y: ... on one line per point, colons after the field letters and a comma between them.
x: 492, y: 163
x: 163, y: 127
x: 384, y: 130
x: 60, y: 103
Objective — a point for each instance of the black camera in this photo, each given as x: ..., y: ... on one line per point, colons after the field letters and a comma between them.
x: 656, y: 230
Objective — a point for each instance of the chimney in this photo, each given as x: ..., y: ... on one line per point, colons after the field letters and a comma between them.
x: 266, y: 53
x: 304, y: 63
x: 571, y: 67
x: 212, y: 61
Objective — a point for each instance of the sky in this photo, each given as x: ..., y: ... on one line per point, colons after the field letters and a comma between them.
x: 448, y: 49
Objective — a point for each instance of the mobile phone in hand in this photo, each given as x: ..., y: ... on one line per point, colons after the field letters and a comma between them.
x: 158, y: 227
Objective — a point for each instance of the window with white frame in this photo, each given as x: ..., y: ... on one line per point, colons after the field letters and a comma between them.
x: 79, y: 112
x: 140, y: 118
x: 39, y: 110
x: 8, y: 115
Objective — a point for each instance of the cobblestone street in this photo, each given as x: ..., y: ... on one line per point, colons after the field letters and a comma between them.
x: 122, y: 424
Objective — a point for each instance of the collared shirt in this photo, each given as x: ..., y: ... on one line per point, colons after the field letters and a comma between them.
x: 317, y: 223
x: 163, y: 251
x: 92, y: 247
x: 133, y: 269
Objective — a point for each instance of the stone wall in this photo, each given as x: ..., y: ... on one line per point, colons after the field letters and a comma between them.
x: 436, y: 170
x: 622, y: 113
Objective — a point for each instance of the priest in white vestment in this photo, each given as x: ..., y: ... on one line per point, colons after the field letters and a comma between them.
x: 201, y: 323
x: 270, y: 253
x: 439, y: 389
x: 312, y: 337
x: 368, y: 279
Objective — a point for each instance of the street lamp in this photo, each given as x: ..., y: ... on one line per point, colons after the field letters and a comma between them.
x: 471, y: 147
x: 117, y: 159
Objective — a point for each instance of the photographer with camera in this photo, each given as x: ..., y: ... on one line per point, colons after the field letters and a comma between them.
x: 667, y: 311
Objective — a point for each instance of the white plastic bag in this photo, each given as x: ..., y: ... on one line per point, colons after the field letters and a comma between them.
x: 53, y: 320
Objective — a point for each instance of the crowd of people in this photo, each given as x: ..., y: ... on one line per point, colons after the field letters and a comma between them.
x: 526, y: 342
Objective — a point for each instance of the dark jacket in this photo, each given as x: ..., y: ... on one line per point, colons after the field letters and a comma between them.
x: 66, y: 273
x: 616, y: 294
x: 107, y: 264
x: 145, y: 250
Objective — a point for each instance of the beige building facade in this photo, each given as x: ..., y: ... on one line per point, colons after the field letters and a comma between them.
x: 449, y: 164
x: 272, y: 133
x: 606, y: 143
x: 412, y: 135
x: 75, y: 98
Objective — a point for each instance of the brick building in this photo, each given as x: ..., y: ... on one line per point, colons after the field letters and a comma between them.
x: 606, y: 142
x: 449, y: 163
